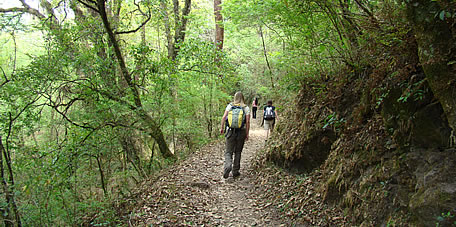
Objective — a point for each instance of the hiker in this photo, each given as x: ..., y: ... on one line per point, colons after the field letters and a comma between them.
x: 254, y: 107
x: 237, y: 119
x: 269, y: 117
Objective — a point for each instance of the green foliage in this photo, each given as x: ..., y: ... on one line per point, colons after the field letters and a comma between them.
x: 298, y: 44
x: 333, y: 120
x: 76, y: 143
x: 445, y: 218
x: 413, y: 90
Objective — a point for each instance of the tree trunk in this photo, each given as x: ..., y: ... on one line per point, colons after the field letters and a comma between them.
x: 149, y: 166
x: 266, y: 56
x: 211, y: 111
x: 219, y: 28
x: 102, y: 177
x: 152, y: 127
x: 180, y: 26
x: 169, y: 38
x: 131, y: 150
x: 11, y: 215
x: 436, y: 50
x: 181, y: 23
x: 351, y: 29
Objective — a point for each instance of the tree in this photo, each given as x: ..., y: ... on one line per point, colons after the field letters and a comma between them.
x: 89, y: 106
x: 151, y: 126
x: 90, y: 84
x: 180, y: 25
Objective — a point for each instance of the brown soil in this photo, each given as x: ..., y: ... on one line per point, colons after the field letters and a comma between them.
x: 194, y: 193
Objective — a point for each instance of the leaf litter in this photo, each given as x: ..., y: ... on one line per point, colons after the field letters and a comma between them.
x: 193, y: 193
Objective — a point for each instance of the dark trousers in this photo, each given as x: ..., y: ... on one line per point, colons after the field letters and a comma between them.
x: 235, y: 139
x: 254, y: 110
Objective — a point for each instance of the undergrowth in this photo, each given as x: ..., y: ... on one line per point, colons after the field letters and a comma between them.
x: 365, y: 171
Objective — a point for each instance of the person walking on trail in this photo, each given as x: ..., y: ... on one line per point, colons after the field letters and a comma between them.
x: 254, y: 107
x: 236, y: 125
x: 269, y: 118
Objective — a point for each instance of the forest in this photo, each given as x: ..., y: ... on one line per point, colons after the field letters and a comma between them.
x: 106, y: 103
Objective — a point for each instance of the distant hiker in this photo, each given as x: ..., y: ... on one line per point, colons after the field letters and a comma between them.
x: 269, y: 117
x: 254, y: 107
x: 237, y: 119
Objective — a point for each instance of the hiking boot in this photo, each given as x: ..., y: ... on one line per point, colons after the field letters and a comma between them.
x: 236, y: 174
x: 226, y: 173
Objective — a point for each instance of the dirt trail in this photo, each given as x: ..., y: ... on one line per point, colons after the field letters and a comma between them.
x: 194, y: 193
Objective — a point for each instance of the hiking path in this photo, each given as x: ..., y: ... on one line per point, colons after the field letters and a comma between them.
x: 194, y: 193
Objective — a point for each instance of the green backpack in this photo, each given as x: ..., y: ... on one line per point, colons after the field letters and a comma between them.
x: 236, y: 117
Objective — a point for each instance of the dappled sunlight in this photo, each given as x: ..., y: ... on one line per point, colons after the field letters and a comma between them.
x: 256, y: 130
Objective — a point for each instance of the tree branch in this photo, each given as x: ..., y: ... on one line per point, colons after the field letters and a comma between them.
x: 142, y: 25
x: 199, y: 71
x: 123, y: 67
x: 6, y: 78
x: 23, y: 10
x: 26, y: 106
x: 135, y: 30
x: 89, y: 6
x: 366, y: 10
x: 56, y: 106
